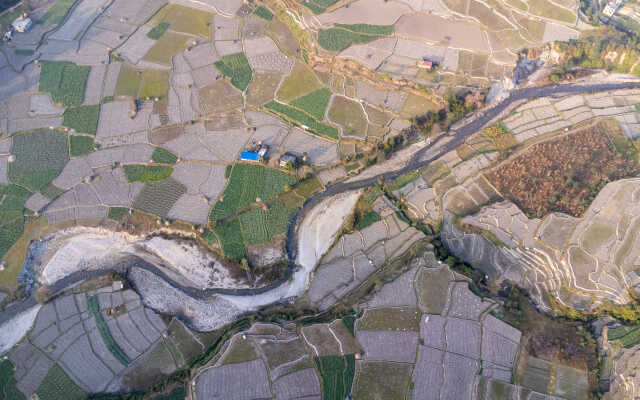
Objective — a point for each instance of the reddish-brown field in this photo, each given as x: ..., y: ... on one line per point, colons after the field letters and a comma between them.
x: 565, y: 174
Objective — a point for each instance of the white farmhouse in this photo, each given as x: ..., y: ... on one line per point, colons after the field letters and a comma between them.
x: 22, y: 24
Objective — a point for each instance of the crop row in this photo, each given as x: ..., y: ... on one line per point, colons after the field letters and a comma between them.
x: 337, y: 375
x: 162, y: 156
x: 246, y: 184
x: 80, y: 145
x: 343, y: 36
x: 157, y: 197
x: 318, y: 6
x: 303, y: 118
x: 40, y: 157
x: 94, y: 310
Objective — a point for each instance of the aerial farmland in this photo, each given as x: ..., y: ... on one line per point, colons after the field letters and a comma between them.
x: 220, y: 199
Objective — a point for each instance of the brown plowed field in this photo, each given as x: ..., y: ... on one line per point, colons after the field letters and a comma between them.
x: 565, y: 174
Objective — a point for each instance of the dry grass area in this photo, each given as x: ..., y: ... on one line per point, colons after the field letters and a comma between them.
x: 565, y: 174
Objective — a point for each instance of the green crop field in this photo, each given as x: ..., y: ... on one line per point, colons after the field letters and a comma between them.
x: 40, y: 157
x: 56, y: 14
x: 51, y: 191
x: 157, y: 31
x: 11, y: 215
x: 248, y: 182
x: 155, y: 83
x: 83, y: 119
x: 263, y: 12
x: 162, y: 156
x: 94, y: 310
x: 236, y: 67
x: 627, y: 336
x: 65, y: 81
x: 176, y: 394
x: 315, y: 103
x: 370, y: 217
x: 260, y: 226
x: 144, y: 173
x: 337, y: 375
x: 342, y: 36
x: 230, y: 237
x: 118, y: 213
x: 80, y: 145
x: 24, y: 52
x: 318, y: 6
x: 157, y: 197
x: 8, y: 383
x: 128, y: 81
x: 58, y: 386
x: 303, y: 118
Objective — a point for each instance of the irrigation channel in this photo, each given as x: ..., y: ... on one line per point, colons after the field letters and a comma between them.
x: 455, y: 136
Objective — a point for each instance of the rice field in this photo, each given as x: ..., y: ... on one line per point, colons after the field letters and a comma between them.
x: 64, y: 80
x: 342, y: 36
x: 40, y: 157
x: 236, y: 67
x: 83, y: 119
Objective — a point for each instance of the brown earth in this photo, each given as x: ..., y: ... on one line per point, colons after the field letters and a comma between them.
x: 565, y: 174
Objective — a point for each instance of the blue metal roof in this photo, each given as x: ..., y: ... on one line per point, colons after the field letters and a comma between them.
x: 249, y: 156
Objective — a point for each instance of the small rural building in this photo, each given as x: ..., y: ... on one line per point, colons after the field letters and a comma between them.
x: 250, y: 156
x: 609, y: 10
x: 288, y: 158
x: 426, y: 64
x: 22, y: 24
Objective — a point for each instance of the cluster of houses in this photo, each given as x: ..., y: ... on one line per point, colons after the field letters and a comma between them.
x: 21, y: 24
x: 258, y: 153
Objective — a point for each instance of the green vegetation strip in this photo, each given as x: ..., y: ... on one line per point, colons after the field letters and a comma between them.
x: 94, y: 310
x: 80, y: 145
x: 236, y: 67
x: 342, y: 36
x: 83, y: 119
x: 118, y: 213
x: 231, y: 239
x: 8, y: 389
x: 162, y: 156
x: 144, y: 173
x: 65, y: 81
x: 315, y: 103
x: 303, y: 118
x: 12, y: 199
x: 337, y: 375
x: 157, y: 31
x: 57, y: 385
x: 627, y: 336
x: 369, y: 218
x: 318, y: 6
x: 24, y: 52
x: 56, y: 14
x: 263, y: 12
